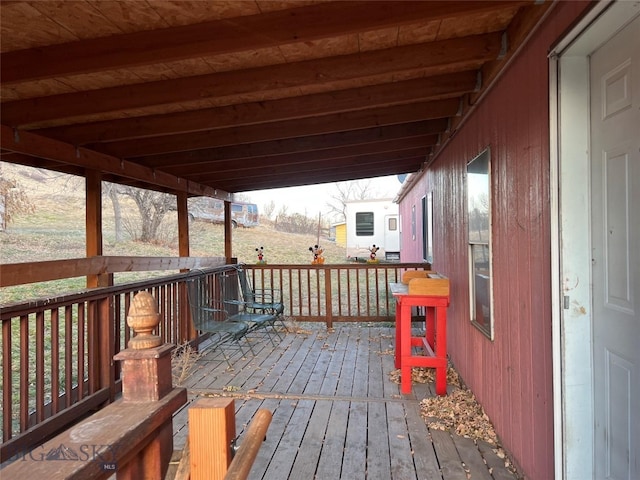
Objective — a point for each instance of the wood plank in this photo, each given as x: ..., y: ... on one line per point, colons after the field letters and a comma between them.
x: 424, y: 455
x: 405, y: 147
x: 319, y: 373
x: 317, y: 433
x: 307, y: 459
x: 305, y: 369
x: 354, y: 457
x: 345, y: 379
x: 243, y: 367
x: 297, y: 363
x: 278, y: 369
x: 361, y: 372
x: 330, y: 382
x: 450, y: 461
x: 284, y: 457
x: 214, y: 146
x: 282, y: 130
x: 399, y: 445
x: 471, y: 457
x: 21, y: 273
x: 439, y: 57
x: 330, y: 462
x: 378, y: 455
x: 498, y: 469
x: 211, y: 429
x: 252, y: 32
x: 256, y: 377
x: 282, y: 411
x: 383, y: 95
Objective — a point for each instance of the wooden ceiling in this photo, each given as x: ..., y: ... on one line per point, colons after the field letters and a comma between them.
x: 229, y: 96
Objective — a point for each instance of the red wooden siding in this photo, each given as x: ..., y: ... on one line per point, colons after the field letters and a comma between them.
x: 511, y: 376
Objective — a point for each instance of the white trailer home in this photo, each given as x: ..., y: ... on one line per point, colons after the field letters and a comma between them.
x: 369, y: 223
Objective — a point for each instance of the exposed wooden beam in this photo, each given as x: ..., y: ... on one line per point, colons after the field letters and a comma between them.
x: 388, y: 94
x: 328, y: 154
x: 226, y: 36
x: 38, y: 146
x: 286, y: 129
x: 361, y: 161
x: 300, y: 144
x: 446, y: 56
x: 332, y: 175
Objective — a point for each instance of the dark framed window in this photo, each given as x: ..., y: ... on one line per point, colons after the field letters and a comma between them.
x: 479, y: 228
x: 364, y: 224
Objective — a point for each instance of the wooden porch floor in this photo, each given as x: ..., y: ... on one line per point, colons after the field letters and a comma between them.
x: 336, y: 412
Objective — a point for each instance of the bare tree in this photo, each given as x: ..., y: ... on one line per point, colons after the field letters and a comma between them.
x: 269, y: 209
x: 111, y: 190
x: 13, y: 201
x: 152, y: 206
x: 345, y: 192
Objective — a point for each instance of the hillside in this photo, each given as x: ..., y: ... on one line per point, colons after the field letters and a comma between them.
x: 56, y: 231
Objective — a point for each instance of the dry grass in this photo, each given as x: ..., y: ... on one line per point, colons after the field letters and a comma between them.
x: 183, y: 360
x: 56, y: 230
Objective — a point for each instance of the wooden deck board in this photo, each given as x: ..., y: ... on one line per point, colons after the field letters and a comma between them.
x: 330, y: 461
x: 307, y: 460
x: 378, y: 457
x: 336, y: 412
x: 354, y: 459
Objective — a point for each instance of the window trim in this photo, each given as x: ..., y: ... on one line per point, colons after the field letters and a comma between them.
x: 486, y: 327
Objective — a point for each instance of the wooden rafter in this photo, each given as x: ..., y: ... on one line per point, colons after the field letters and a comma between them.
x: 203, y: 99
x: 226, y: 36
x: 388, y: 94
x: 436, y: 58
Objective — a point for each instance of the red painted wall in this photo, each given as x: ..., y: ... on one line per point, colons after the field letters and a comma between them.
x: 512, y: 375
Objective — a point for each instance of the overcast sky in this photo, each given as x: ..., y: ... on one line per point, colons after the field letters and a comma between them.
x: 312, y: 199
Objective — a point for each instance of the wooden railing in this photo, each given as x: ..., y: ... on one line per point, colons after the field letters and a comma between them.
x: 334, y: 293
x: 57, y: 353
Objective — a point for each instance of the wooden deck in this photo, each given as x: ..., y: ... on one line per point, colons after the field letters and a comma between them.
x: 336, y: 412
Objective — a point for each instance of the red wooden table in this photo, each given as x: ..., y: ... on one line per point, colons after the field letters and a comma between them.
x: 434, y: 343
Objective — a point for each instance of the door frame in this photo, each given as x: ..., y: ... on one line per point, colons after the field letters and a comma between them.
x: 570, y: 179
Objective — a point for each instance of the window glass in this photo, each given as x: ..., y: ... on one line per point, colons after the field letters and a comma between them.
x: 393, y: 224
x: 427, y: 228
x: 364, y: 224
x: 479, y: 230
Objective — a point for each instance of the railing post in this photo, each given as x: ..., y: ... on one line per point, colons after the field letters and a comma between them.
x: 212, y: 427
x: 146, y: 377
x: 328, y: 297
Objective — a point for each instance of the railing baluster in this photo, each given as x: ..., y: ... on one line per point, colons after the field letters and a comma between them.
x: 80, y: 358
x: 39, y: 351
x: 55, y: 360
x: 7, y: 382
x: 68, y: 354
x: 24, y: 372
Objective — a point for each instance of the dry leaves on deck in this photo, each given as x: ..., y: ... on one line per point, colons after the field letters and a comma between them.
x: 457, y: 412
x: 460, y: 413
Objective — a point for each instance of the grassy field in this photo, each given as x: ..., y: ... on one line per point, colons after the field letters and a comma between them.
x: 56, y: 231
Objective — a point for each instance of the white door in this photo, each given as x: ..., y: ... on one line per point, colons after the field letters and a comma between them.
x: 615, y: 237
x: 391, y: 233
